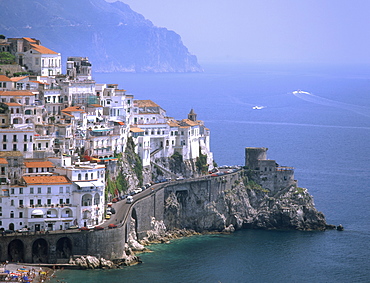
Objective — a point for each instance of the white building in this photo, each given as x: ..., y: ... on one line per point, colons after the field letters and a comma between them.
x: 34, y: 57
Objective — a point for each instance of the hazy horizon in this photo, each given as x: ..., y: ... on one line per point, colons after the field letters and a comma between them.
x: 286, y: 31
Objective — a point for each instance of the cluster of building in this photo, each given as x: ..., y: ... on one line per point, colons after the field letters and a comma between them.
x: 58, y: 133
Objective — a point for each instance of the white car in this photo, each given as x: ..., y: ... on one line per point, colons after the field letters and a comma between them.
x: 138, y: 190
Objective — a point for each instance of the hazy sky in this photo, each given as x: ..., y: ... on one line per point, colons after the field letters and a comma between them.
x: 334, y: 31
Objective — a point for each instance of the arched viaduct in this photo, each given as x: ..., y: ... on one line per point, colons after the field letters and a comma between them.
x: 58, y: 246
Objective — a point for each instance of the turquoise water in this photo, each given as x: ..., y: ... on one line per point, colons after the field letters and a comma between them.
x: 325, y: 136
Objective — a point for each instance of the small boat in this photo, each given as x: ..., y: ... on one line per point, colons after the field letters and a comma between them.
x: 258, y: 107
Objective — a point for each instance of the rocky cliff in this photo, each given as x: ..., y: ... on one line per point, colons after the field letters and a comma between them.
x: 241, y: 204
x: 114, y: 37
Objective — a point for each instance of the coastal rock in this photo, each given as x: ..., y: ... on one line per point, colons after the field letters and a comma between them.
x: 242, y: 205
x: 91, y: 262
x: 132, y: 242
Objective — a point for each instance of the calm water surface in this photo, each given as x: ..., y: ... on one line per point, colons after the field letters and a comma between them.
x: 325, y: 136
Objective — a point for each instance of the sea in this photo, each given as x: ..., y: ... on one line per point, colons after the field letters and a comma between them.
x: 323, y: 131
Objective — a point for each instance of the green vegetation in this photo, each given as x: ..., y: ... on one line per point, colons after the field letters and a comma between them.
x: 6, y: 58
x: 134, y: 160
x: 300, y: 190
x: 20, y: 74
x: 3, y: 108
x: 254, y: 186
x: 177, y: 157
x: 115, y: 186
x: 201, y: 163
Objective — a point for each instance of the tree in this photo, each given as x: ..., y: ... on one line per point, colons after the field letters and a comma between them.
x: 6, y: 58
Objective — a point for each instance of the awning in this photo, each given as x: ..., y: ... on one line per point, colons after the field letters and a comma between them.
x: 84, y: 184
x: 97, y: 183
x: 37, y: 212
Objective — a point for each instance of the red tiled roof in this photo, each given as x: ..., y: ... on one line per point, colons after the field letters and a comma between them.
x: 5, y: 78
x: 145, y: 103
x: 12, y: 103
x: 16, y: 93
x: 3, y: 161
x: 73, y: 109
x: 42, y: 49
x: 17, y: 79
x: 39, y: 164
x: 46, y: 180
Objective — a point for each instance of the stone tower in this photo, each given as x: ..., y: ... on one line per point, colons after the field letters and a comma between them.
x: 192, y: 115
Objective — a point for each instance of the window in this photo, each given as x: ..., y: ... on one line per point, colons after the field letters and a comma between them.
x: 12, y: 191
x: 49, y: 190
x: 60, y: 190
x: 4, y: 138
x: 14, y: 147
x: 39, y: 201
x: 4, y: 146
x: 31, y: 190
x: 68, y: 190
x: 12, y: 214
x: 61, y: 201
x: 21, y: 202
x: 39, y: 190
x: 14, y: 138
x: 48, y: 201
x: 79, y: 176
x: 25, y: 138
x: 67, y: 201
x: 20, y: 191
x: 92, y: 176
x: 20, y: 214
x: 31, y: 202
x: 86, y: 176
x: 24, y: 147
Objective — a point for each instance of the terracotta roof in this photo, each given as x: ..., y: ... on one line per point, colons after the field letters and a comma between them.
x: 73, y: 109
x: 41, y: 83
x: 145, y: 103
x: 17, y: 79
x: 42, y: 49
x: 12, y: 104
x: 96, y: 105
x: 3, y: 161
x: 136, y: 129
x: 39, y: 164
x: 46, y: 180
x: 16, y: 93
x: 29, y: 39
x: 5, y: 78
x: 187, y: 122
x: 173, y: 124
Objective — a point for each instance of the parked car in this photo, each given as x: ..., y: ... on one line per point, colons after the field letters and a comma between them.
x: 72, y: 227
x: 83, y: 229
x: 129, y: 199
x: 113, y: 211
x: 138, y: 190
x: 107, y: 216
x: 23, y: 230
x: 98, y: 228
x: 111, y: 226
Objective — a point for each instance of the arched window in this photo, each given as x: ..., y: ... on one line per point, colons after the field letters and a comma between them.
x: 86, y: 176
x: 79, y: 177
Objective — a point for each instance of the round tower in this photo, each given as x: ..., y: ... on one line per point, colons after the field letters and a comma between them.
x: 253, y: 155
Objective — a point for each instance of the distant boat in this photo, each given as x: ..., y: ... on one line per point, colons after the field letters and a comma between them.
x: 258, y: 107
x: 300, y: 91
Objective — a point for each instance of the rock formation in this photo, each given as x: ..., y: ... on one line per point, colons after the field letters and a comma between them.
x: 244, y: 204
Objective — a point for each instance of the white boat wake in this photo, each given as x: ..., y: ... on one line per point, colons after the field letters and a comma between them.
x: 304, y: 95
